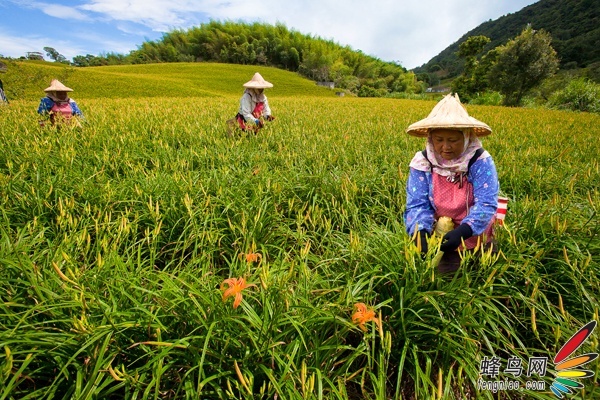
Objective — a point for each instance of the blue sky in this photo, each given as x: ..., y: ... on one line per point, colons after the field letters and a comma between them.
x: 407, y: 31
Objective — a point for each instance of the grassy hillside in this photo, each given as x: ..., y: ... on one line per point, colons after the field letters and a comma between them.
x: 27, y: 80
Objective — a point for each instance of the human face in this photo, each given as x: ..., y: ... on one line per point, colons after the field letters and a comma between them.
x: 61, y: 95
x: 448, y: 143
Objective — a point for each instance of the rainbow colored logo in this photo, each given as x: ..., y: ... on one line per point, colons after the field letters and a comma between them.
x: 566, y: 370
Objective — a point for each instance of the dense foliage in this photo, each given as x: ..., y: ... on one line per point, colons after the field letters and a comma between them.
x: 580, y: 95
x: 474, y: 78
x: 512, y: 69
x: 115, y: 241
x: 521, y: 64
x: 263, y: 44
x: 573, y: 24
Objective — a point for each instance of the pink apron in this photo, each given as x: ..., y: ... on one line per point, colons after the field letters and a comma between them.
x: 454, y: 200
x: 256, y: 113
x: 61, y: 111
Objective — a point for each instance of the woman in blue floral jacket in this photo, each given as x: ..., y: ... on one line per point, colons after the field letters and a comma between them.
x: 58, y: 106
x: 453, y: 177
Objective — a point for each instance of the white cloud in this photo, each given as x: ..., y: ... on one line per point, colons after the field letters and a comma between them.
x: 159, y: 15
x: 17, y: 46
x: 62, y: 12
x: 102, y: 43
x: 66, y: 12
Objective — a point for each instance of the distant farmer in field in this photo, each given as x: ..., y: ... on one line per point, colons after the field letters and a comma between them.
x: 254, y: 106
x: 3, y: 98
x: 58, y: 107
x: 454, y: 179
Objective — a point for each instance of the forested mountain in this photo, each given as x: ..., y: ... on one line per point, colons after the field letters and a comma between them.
x: 573, y: 24
x: 271, y: 45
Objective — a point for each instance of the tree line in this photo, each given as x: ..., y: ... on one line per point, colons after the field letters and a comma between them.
x: 272, y: 45
x: 512, y: 69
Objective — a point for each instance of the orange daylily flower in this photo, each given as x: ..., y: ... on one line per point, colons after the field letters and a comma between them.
x: 236, y: 285
x: 363, y: 314
x: 251, y: 257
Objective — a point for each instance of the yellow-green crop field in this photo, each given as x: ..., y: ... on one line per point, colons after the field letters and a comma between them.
x: 117, y: 241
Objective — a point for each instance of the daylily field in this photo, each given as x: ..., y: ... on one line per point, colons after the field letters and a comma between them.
x: 149, y: 255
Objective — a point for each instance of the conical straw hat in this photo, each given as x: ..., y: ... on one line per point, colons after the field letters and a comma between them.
x: 57, y: 86
x: 451, y: 114
x: 257, y: 82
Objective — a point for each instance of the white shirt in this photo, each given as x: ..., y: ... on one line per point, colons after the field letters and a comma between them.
x: 249, y: 100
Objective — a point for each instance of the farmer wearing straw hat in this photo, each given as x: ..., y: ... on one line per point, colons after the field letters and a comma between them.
x: 254, y: 106
x: 3, y: 98
x: 58, y: 106
x: 453, y: 177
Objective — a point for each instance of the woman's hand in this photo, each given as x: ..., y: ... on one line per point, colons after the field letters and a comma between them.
x: 453, y: 239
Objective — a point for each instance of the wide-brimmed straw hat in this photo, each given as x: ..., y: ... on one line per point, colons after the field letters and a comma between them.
x: 449, y: 113
x: 257, y: 82
x: 57, y: 86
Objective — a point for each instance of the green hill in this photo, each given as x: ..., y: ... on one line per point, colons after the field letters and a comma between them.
x: 573, y: 24
x: 27, y: 79
x: 273, y: 45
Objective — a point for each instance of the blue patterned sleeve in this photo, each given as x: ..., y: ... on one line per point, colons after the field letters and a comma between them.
x: 75, y: 108
x: 419, y: 210
x: 484, y: 178
x: 45, y: 106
